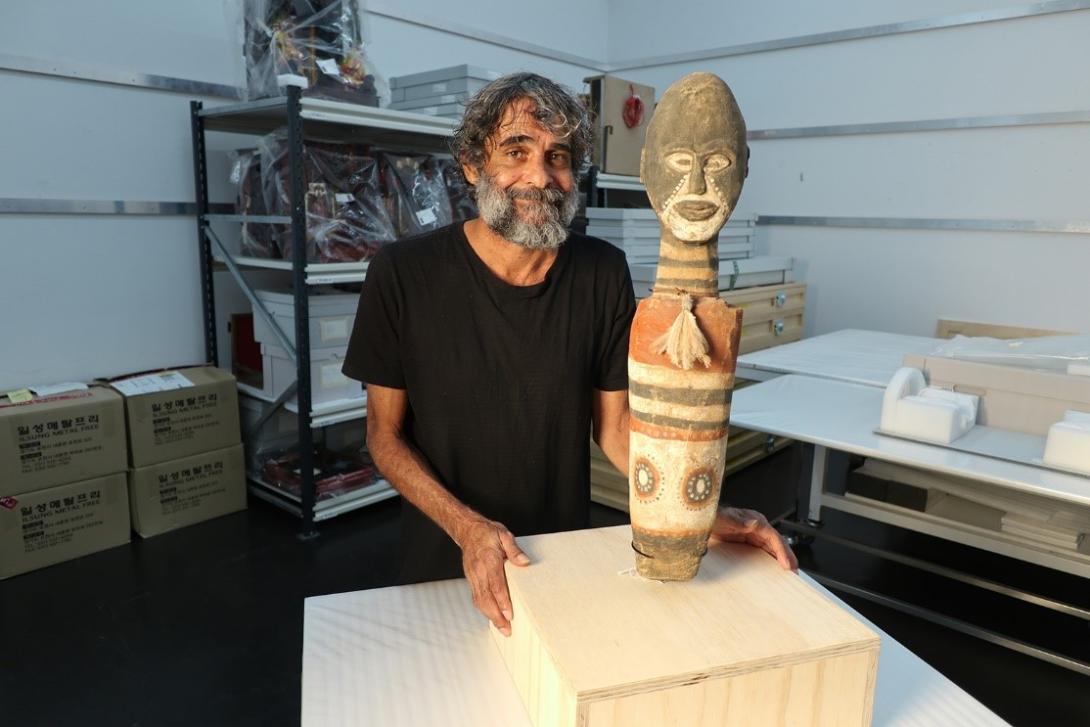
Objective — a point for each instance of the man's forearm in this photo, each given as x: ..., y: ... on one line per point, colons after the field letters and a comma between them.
x: 613, y: 439
x: 407, y: 470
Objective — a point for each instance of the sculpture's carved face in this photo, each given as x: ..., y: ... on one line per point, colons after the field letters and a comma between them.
x: 695, y: 158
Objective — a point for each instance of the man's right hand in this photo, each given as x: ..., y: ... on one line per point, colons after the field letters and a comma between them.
x: 486, y: 544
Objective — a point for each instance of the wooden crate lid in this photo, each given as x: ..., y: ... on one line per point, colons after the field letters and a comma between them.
x: 612, y: 633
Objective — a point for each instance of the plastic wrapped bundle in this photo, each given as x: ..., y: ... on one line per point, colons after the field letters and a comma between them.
x: 416, y: 192
x: 462, y: 205
x: 1070, y: 353
x: 257, y: 239
x: 335, y: 472
x: 320, y: 40
x: 347, y: 219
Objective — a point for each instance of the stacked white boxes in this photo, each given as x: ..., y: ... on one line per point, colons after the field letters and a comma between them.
x: 733, y: 274
x: 637, y: 232
x: 442, y: 92
x: 332, y: 315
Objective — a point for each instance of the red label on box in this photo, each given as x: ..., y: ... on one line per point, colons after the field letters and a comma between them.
x: 8, y: 503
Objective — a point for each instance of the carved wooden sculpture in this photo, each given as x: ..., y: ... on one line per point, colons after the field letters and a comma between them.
x: 684, y: 342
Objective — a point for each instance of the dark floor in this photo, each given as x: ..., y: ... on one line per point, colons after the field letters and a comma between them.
x: 203, y: 626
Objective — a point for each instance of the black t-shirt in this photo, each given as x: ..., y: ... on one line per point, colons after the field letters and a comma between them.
x: 499, y: 378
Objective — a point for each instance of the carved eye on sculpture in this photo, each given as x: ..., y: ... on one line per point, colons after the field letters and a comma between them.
x: 716, y: 163
x: 680, y: 161
x: 699, y: 487
x: 645, y: 479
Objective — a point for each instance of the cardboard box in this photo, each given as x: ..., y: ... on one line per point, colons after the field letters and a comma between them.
x: 744, y: 643
x: 185, y: 491
x: 618, y: 147
x: 1012, y: 398
x: 51, y: 526
x: 179, y: 413
x: 54, y: 440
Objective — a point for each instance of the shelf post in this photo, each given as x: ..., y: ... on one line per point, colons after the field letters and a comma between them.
x: 302, y: 311
x: 200, y: 182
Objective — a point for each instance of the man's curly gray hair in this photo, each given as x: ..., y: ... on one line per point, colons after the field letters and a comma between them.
x: 555, y: 107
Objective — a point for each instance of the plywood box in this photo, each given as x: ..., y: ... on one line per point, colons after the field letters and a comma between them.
x: 745, y: 643
x: 951, y: 328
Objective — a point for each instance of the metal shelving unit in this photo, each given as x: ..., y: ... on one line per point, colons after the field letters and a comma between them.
x: 303, y: 118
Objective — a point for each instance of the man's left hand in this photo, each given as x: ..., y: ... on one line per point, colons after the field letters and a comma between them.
x: 735, y: 525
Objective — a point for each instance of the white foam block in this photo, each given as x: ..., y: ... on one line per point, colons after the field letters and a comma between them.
x: 967, y: 404
x: 930, y: 419
x: 912, y: 410
x: 1068, y: 443
x: 936, y: 415
x: 906, y: 381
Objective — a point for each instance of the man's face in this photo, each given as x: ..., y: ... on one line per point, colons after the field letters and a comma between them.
x: 694, y: 161
x: 525, y: 188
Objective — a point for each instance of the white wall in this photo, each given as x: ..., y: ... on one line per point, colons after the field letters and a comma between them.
x: 86, y: 296
x: 90, y: 296
x: 902, y: 280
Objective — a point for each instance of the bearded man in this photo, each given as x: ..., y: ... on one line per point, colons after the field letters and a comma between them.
x: 492, y: 349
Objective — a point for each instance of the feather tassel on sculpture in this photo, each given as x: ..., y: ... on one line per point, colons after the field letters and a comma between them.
x: 684, y: 343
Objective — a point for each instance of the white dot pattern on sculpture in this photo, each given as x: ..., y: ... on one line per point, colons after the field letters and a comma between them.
x: 645, y: 480
x: 699, y: 487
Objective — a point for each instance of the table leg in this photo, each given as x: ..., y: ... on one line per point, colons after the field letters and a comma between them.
x: 818, y: 467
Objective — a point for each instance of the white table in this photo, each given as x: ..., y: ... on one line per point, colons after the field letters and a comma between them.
x: 841, y: 416
x: 827, y: 392
x: 416, y: 656
x: 862, y: 357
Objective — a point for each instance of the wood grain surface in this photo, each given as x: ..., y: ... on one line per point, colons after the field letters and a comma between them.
x: 595, y: 645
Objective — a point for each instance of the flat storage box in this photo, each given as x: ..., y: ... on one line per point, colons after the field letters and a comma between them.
x: 641, y: 218
x: 200, y: 415
x: 643, y: 246
x: 54, y: 440
x: 446, y: 99
x: 744, y: 643
x: 733, y: 274
x: 185, y: 491
x: 331, y: 317
x: 448, y: 110
x: 45, y: 527
x: 442, y: 75
x: 327, y: 382
x: 463, y: 86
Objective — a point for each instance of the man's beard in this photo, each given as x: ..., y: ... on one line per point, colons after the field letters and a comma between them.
x: 544, y: 218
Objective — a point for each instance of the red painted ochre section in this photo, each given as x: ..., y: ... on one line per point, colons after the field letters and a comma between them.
x: 720, y: 324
